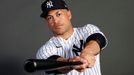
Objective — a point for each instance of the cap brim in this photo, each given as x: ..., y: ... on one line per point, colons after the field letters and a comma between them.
x: 44, y: 14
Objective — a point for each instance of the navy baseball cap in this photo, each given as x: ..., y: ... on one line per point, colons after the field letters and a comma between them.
x: 48, y: 5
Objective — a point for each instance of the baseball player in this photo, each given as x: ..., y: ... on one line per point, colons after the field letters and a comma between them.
x: 70, y: 44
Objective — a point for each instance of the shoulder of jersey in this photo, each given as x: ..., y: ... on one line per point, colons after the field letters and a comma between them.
x: 49, y: 42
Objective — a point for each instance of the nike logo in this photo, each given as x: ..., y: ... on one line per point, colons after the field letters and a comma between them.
x: 58, y: 46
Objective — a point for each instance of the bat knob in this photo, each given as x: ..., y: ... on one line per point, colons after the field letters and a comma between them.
x: 30, y: 66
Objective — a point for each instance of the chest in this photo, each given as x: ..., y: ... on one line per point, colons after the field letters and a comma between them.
x: 72, y: 47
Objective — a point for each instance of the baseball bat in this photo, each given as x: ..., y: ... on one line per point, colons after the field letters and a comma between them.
x: 32, y: 65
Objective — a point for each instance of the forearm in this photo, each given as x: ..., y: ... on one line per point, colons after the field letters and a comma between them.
x: 91, y: 48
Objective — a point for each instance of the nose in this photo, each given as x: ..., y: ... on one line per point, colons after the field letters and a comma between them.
x: 56, y: 19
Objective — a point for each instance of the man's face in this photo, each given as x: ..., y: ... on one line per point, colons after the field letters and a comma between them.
x: 59, y: 21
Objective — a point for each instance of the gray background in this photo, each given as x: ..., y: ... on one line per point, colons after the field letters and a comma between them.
x: 22, y: 32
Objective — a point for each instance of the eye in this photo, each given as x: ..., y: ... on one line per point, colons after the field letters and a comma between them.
x: 49, y: 18
x: 58, y: 14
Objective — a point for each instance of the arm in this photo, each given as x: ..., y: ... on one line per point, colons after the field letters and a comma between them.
x: 89, y: 52
x: 87, y: 56
x: 94, y: 44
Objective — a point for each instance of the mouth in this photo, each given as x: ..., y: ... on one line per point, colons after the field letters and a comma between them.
x: 58, y: 26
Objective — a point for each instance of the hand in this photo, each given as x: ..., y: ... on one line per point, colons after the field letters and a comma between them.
x: 90, y: 59
x: 79, y: 68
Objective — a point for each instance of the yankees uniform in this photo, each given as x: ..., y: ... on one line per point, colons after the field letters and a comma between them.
x: 73, y: 46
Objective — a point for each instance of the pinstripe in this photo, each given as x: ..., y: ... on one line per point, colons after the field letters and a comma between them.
x: 48, y: 54
x: 62, y: 47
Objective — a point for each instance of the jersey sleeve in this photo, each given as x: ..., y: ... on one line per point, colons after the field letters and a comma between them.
x: 45, y: 51
x: 92, y: 32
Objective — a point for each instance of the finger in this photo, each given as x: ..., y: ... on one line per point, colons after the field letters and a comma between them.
x: 83, y: 66
x: 80, y: 70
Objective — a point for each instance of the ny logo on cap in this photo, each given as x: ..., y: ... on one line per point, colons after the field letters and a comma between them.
x: 49, y: 4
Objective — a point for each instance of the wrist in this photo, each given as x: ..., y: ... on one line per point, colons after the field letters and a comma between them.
x: 70, y: 67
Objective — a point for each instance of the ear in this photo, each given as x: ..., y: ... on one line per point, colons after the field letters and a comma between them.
x: 69, y: 14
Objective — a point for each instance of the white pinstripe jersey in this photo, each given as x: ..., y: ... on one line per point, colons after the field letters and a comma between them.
x: 71, y: 47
